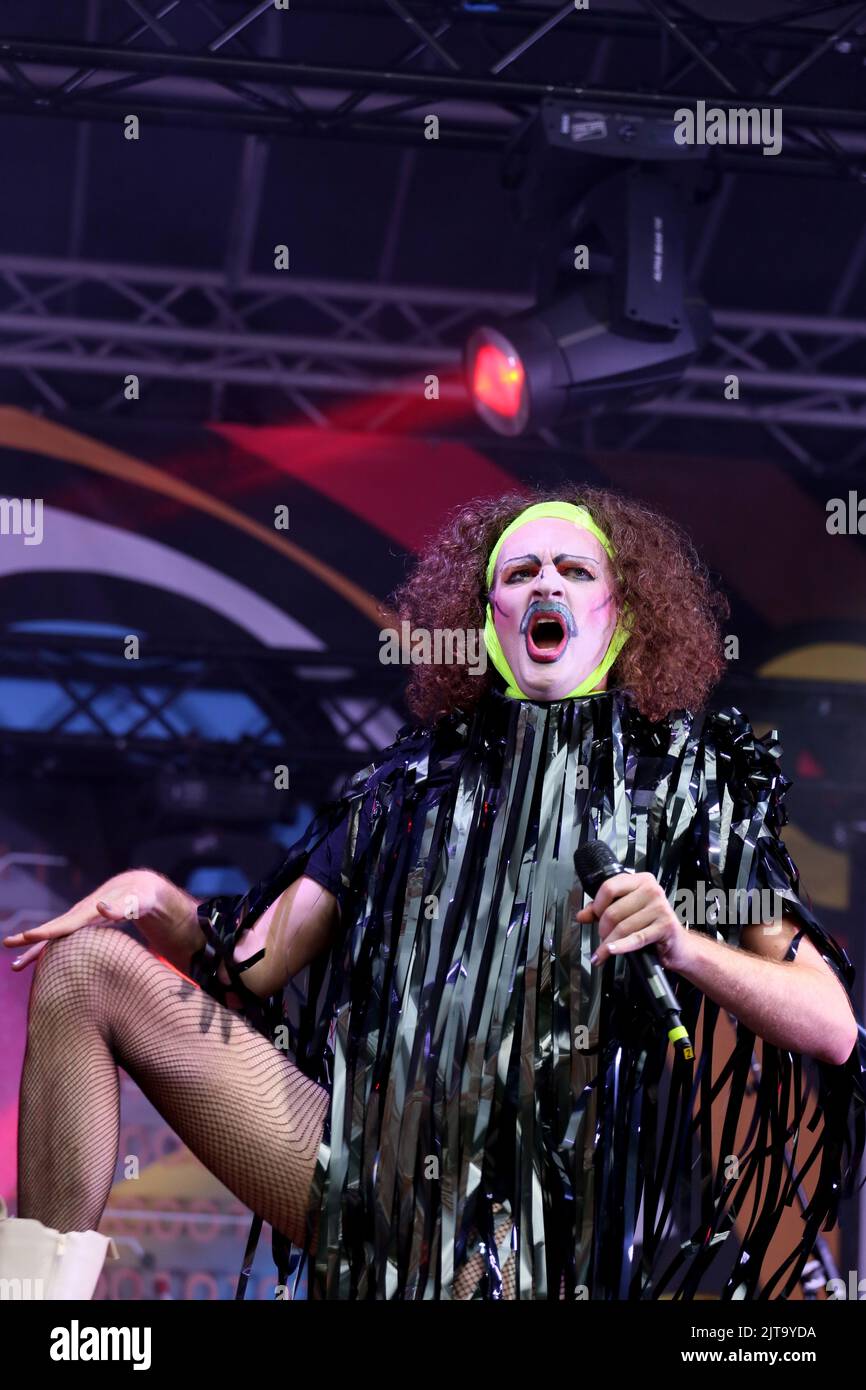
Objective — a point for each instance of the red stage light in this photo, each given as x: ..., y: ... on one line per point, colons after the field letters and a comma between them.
x: 497, y: 380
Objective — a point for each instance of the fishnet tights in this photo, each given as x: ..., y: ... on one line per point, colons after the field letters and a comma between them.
x: 99, y: 999
x: 467, y: 1279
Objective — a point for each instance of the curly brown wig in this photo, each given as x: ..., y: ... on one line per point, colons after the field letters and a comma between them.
x: 675, y: 654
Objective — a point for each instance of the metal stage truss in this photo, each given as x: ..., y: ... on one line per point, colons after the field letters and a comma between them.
x: 181, y: 324
x: 72, y: 327
x: 469, y: 49
x: 92, y: 713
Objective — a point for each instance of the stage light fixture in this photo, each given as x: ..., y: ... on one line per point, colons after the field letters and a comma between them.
x: 626, y: 333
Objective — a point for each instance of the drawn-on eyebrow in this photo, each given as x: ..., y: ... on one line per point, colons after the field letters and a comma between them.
x: 557, y: 559
x: 534, y: 558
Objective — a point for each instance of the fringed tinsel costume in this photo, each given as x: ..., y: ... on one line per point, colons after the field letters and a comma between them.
x: 481, y: 1067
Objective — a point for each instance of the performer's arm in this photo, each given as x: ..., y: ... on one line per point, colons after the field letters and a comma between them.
x: 799, y: 1004
x: 296, y: 928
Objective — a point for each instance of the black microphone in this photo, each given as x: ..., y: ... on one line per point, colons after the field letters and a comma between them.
x: 593, y: 863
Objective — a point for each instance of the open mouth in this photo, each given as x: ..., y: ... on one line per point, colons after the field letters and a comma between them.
x: 546, y: 636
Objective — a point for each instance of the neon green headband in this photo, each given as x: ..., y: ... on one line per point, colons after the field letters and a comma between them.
x: 564, y: 511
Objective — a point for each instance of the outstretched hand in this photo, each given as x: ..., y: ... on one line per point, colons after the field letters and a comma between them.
x: 164, y: 913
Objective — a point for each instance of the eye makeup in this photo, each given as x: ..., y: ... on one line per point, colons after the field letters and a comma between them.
x: 521, y: 564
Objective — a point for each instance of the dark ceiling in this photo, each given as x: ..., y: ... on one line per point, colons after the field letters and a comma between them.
x: 305, y: 127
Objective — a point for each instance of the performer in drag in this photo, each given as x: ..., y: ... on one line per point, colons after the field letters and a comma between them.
x: 475, y: 1100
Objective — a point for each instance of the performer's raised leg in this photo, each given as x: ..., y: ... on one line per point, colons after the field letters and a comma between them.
x: 99, y: 999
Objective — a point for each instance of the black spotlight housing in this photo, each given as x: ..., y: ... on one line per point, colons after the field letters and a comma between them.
x: 568, y: 360
x: 623, y: 334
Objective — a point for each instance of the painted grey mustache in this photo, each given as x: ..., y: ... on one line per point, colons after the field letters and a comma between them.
x: 540, y: 605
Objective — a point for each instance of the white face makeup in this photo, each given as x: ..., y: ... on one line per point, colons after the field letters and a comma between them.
x: 553, y: 606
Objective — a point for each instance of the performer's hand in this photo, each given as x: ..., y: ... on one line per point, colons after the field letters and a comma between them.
x: 164, y: 913
x: 632, y: 911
